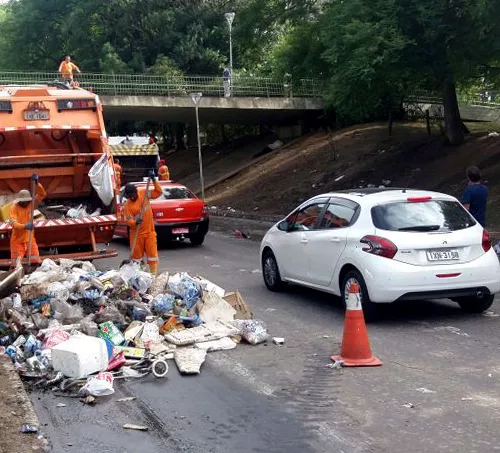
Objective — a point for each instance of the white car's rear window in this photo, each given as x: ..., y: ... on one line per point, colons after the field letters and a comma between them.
x: 435, y: 215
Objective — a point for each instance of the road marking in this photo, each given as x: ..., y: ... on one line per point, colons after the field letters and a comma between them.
x: 241, y: 372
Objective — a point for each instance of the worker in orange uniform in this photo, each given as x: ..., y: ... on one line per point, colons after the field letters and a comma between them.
x: 138, y: 214
x: 118, y: 174
x: 163, y: 171
x: 20, y: 220
x: 66, y: 69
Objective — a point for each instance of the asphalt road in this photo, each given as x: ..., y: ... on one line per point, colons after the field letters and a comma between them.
x: 437, y: 391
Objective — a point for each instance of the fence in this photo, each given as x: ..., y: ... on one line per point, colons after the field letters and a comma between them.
x: 483, y: 99
x: 157, y: 85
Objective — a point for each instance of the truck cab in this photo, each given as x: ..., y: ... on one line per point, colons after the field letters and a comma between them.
x: 57, y: 133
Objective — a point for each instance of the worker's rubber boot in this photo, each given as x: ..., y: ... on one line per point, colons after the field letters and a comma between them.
x: 153, y: 268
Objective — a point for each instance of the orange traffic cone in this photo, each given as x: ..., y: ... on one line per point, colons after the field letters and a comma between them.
x: 355, y: 350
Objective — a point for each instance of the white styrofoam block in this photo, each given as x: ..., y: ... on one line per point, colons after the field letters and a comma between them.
x: 80, y: 356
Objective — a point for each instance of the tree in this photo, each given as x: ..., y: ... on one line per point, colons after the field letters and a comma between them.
x: 379, y: 49
x: 111, y: 61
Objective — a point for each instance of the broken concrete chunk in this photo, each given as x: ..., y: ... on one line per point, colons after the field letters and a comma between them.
x: 224, y: 344
x: 189, y: 360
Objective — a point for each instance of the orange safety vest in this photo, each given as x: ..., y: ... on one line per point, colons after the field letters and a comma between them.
x: 132, y: 209
x: 164, y: 173
x: 19, y: 216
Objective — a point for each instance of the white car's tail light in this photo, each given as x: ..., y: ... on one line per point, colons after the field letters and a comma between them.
x: 486, y: 241
x: 379, y: 246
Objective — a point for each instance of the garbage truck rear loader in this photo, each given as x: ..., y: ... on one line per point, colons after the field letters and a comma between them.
x: 59, y: 134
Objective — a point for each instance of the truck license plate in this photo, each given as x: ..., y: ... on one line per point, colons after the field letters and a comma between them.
x: 180, y: 230
x: 443, y: 255
x: 36, y: 115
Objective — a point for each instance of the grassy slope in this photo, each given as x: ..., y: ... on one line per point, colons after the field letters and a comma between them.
x: 363, y: 155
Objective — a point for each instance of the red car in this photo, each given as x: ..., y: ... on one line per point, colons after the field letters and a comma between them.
x: 179, y: 214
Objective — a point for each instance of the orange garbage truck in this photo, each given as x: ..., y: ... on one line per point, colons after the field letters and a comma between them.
x: 58, y: 134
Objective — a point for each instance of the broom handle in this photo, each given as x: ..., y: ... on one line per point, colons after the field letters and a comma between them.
x: 32, y: 215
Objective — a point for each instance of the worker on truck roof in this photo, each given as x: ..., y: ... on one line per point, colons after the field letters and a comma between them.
x: 163, y: 171
x: 138, y: 214
x: 20, y: 219
x: 66, y: 69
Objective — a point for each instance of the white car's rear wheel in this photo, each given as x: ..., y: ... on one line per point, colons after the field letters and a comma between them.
x: 271, y: 273
x: 369, y: 308
x: 474, y: 304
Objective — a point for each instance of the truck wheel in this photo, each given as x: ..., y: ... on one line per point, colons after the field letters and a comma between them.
x: 197, y: 239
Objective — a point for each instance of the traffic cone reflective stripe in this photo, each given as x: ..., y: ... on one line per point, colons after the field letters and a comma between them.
x: 355, y: 349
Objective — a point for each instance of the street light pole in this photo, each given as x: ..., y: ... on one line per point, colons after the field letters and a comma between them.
x: 230, y: 19
x: 196, y: 98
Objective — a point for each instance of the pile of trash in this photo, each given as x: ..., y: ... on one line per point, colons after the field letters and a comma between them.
x: 73, y: 328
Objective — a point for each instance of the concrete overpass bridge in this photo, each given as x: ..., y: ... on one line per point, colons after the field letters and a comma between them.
x: 253, y: 100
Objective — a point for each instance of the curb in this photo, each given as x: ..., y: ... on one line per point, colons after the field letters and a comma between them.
x: 14, y: 383
x: 239, y: 215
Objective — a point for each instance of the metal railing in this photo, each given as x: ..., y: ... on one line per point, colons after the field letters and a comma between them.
x: 175, y: 85
x: 481, y: 99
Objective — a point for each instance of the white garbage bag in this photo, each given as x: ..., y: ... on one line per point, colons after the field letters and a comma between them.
x: 100, y: 177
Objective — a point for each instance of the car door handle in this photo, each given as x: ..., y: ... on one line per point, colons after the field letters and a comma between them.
x: 334, y: 239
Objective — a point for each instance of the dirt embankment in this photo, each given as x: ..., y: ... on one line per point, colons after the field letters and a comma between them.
x: 362, y: 156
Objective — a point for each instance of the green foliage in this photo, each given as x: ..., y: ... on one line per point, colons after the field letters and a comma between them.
x: 111, y: 61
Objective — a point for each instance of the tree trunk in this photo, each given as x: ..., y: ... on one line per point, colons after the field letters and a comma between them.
x: 428, y: 122
x: 452, y: 120
x: 391, y: 121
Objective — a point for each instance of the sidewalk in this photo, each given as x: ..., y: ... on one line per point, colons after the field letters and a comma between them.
x: 15, y: 411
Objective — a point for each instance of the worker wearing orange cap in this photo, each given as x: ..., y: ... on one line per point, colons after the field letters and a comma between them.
x: 163, y: 172
x: 138, y: 214
x: 20, y: 219
x: 118, y: 174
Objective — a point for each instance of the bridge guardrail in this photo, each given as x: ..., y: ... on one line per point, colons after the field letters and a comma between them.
x: 158, y: 85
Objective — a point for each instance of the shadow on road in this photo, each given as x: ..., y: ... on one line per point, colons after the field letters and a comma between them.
x: 408, y: 311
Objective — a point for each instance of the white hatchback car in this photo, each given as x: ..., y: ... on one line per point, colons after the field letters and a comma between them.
x: 397, y: 244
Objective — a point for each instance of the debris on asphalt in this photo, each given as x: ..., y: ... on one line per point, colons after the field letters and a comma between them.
x: 425, y: 390
x: 189, y: 361
x: 241, y: 234
x: 75, y: 330
x: 490, y: 314
x: 337, y: 365
x: 135, y: 427
x: 409, y: 405
x: 29, y: 429
x: 253, y: 331
x: 235, y: 299
x: 60, y: 405
x: 89, y: 400
x: 278, y: 340
x: 128, y: 398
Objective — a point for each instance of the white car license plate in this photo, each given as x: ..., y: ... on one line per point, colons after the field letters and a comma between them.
x: 180, y: 230
x: 443, y: 255
x: 36, y: 115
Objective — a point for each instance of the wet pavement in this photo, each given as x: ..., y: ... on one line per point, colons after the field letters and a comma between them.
x: 437, y: 391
